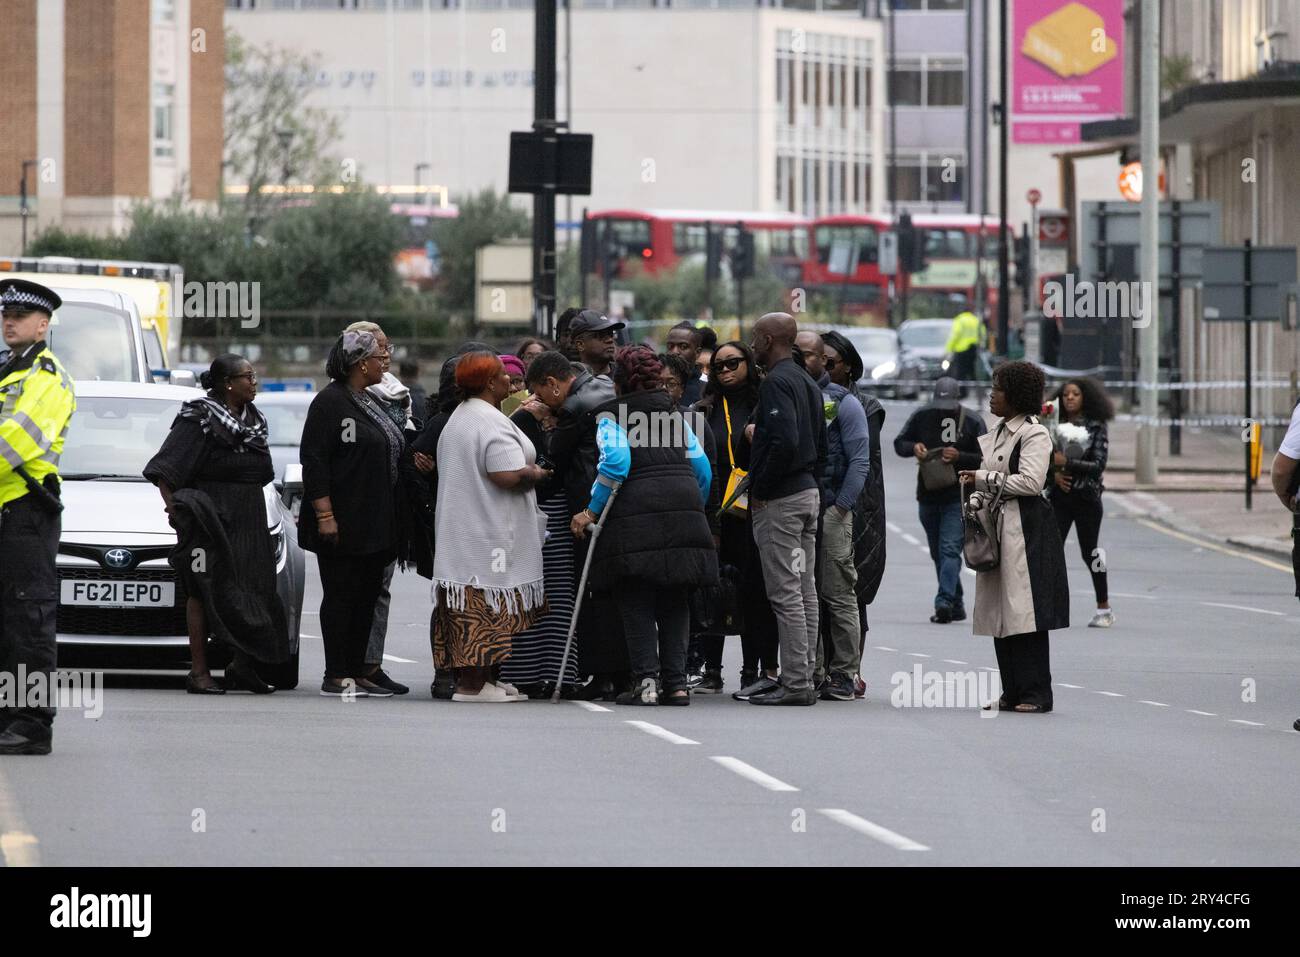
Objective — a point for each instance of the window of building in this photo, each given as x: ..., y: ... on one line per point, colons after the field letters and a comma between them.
x: 905, y: 179
x: 906, y: 83
x: 944, y: 182
x: 164, y: 97
x: 945, y: 82
x: 164, y: 11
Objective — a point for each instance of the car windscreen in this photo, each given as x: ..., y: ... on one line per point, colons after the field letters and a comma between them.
x: 930, y: 335
x: 284, y: 422
x: 115, y: 437
x: 873, y: 341
x: 95, y: 342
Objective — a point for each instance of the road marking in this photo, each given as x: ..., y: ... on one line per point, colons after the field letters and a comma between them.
x: 1253, y: 724
x: 751, y: 773
x: 303, y: 634
x: 917, y: 654
x: 897, y: 530
x: 405, y: 661
x: 953, y: 661
x: 911, y: 539
x: 18, y: 846
x: 987, y: 668
x: 590, y: 706
x: 1110, y: 694
x: 659, y: 732
x: 1062, y: 684
x: 924, y: 549
x: 884, y: 648
x: 1211, y: 545
x: 1121, y: 594
x: 1260, y: 611
x: 1154, y: 704
x: 1208, y: 714
x: 882, y: 834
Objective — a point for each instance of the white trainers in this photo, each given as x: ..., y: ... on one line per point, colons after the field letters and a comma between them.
x: 489, y: 694
x: 1103, y: 619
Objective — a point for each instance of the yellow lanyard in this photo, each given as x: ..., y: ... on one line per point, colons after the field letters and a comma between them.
x: 726, y: 411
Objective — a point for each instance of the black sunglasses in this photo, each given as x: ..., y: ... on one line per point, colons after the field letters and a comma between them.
x: 831, y: 363
x: 731, y: 365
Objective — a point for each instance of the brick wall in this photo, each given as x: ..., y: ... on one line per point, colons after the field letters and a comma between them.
x: 17, y: 94
x: 207, y: 91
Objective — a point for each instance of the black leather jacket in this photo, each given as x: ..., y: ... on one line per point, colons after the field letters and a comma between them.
x: 572, y: 448
x: 1086, y: 469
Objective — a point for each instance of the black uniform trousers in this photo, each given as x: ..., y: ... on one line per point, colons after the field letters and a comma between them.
x: 29, y: 606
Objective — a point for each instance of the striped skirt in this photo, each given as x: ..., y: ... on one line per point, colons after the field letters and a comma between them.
x: 536, y: 653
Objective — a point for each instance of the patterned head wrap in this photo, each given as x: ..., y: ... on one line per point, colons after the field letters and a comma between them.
x: 351, y: 348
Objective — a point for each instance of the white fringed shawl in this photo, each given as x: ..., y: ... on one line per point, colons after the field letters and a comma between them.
x: 487, y: 538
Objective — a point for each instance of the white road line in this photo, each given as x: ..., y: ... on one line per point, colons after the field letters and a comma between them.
x: 659, y: 732
x: 751, y: 773
x: 1110, y: 694
x: 1207, y: 714
x: 303, y: 634
x: 405, y: 661
x: 18, y: 847
x: 884, y: 648
x: 987, y: 668
x: 953, y: 661
x: 923, y: 549
x: 1253, y: 724
x: 1122, y: 594
x: 1154, y: 704
x: 911, y: 539
x: 1122, y: 500
x: 590, y: 706
x: 969, y: 571
x: 882, y: 834
x: 894, y: 528
x: 1259, y: 611
x: 917, y: 654
x: 1062, y: 684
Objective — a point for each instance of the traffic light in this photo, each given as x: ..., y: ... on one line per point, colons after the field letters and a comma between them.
x: 1021, y: 250
x: 742, y: 256
x: 920, y: 259
x: 713, y: 255
x: 588, y: 246
x: 906, y: 242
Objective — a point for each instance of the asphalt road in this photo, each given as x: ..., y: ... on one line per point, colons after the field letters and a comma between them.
x: 1171, y: 744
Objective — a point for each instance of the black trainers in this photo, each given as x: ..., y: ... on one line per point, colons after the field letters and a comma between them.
x: 444, y: 685
x: 959, y: 613
x: 381, y: 677
x: 644, y: 693
x: 942, y: 616
x: 760, y: 685
x: 839, y: 687
x: 710, y: 682
x: 342, y: 688
x: 11, y: 742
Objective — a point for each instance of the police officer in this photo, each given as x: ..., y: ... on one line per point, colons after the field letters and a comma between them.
x: 37, y: 404
x: 963, y: 344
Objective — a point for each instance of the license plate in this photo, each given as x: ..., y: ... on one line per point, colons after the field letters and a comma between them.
x: 118, y: 594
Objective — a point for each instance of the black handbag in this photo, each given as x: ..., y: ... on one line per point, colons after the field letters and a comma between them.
x: 981, y: 530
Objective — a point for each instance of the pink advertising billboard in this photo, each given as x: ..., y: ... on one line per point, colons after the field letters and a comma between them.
x: 1067, y: 67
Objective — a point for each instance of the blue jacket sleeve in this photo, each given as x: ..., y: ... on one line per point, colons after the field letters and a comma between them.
x: 856, y: 439
x: 699, y: 462
x: 615, y: 460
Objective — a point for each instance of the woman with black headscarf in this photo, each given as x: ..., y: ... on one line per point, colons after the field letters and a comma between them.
x: 210, y: 471
x: 350, y: 452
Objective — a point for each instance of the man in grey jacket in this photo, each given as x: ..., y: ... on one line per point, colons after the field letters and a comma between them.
x: 848, y: 461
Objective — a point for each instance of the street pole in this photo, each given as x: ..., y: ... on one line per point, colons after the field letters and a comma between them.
x: 893, y: 159
x: 1004, y: 120
x: 1249, y: 348
x: 544, y: 199
x: 568, y: 117
x: 1149, y: 249
x: 23, y: 209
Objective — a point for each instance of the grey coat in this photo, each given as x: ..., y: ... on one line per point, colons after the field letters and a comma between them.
x: 1028, y: 591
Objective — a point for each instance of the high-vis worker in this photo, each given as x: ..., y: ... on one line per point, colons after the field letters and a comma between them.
x: 963, y: 345
x: 36, y: 405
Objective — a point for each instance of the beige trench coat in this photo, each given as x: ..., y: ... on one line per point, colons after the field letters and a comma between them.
x: 1010, y: 600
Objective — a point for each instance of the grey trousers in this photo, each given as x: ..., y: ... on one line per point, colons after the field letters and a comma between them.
x: 785, y: 531
x: 839, y: 581
x: 379, y: 627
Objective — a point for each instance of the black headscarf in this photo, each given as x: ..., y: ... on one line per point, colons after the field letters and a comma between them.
x: 848, y: 350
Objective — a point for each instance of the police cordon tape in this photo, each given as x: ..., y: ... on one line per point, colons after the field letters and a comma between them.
x: 1108, y: 383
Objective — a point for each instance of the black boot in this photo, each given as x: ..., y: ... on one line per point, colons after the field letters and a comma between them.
x: 242, y: 676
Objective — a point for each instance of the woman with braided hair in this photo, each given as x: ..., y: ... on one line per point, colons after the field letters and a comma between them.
x: 655, y: 544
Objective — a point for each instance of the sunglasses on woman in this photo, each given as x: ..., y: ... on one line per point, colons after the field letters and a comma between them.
x: 731, y: 365
x: 832, y: 363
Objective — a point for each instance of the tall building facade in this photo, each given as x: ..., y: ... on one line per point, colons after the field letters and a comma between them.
x: 717, y: 105
x: 106, y: 103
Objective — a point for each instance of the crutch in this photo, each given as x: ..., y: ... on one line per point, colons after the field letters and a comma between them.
x: 582, y: 581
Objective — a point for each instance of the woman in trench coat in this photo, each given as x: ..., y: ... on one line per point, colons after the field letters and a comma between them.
x: 1027, y: 595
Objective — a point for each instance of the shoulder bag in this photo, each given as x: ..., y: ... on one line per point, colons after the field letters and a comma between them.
x: 733, y: 503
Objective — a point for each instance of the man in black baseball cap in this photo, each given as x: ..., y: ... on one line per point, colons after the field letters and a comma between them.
x: 592, y: 335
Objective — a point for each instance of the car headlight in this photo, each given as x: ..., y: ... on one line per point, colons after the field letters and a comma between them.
x: 944, y: 365
x: 889, y: 367
x: 278, y: 537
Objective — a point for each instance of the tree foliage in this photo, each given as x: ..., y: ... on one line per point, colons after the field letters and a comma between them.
x: 484, y: 218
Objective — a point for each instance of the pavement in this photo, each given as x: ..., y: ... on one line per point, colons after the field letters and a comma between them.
x: 1170, y: 744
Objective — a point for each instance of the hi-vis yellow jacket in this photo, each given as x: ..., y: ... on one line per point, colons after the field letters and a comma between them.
x: 36, y: 405
x: 965, y: 333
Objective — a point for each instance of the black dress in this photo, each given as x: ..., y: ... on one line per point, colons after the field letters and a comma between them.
x: 241, y: 605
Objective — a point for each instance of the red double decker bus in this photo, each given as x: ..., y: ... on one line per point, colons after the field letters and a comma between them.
x: 960, y: 249
x: 865, y: 290
x: 660, y: 240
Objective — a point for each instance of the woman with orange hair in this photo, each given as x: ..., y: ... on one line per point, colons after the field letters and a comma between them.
x: 487, y: 566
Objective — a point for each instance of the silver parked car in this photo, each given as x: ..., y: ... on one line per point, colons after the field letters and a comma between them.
x: 878, y: 347
x: 120, y: 603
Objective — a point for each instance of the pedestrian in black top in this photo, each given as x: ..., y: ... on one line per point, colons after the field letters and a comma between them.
x: 787, y: 457
x: 943, y: 437
x: 1077, y: 481
x: 592, y: 335
x: 685, y: 340
x: 350, y: 453
x: 210, y: 470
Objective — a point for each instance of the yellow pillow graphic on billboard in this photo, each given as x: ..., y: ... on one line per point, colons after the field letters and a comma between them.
x: 1070, y: 42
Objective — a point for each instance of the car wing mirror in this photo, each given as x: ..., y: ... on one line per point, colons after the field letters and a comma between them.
x: 182, y: 377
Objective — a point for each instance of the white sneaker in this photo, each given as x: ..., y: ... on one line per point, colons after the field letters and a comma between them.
x: 489, y: 694
x: 1103, y: 619
x: 511, y: 690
